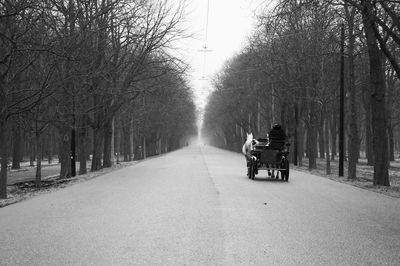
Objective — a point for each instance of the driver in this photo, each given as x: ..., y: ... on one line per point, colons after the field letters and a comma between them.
x: 277, y: 136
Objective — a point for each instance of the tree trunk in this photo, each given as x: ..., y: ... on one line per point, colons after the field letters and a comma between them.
x: 73, y: 151
x: 296, y: 137
x: 144, y: 148
x: 131, y: 141
x: 4, y: 157
x: 166, y: 148
x: 368, y: 129
x: 377, y: 98
x: 65, y: 156
x: 368, y: 138
x: 312, y: 137
x: 312, y: 148
x: 50, y: 145
x: 300, y: 140
x: 327, y: 157
x: 283, y: 115
x: 156, y: 145
x: 137, y: 152
x: 126, y: 135
x: 353, y: 138
x: 333, y: 136
x: 117, y: 142
x: 391, y: 82
x: 32, y: 151
x: 82, y: 135
x: 16, y: 158
x: 97, y: 149
x: 307, y: 140
x: 258, y: 118
x: 391, y: 144
x: 321, y: 140
x: 108, y: 156
x: 38, y: 176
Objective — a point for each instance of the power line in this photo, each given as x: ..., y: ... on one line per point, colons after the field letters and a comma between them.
x: 205, y: 48
x: 208, y: 9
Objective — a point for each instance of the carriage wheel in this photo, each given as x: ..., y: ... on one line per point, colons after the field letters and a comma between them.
x: 286, y: 171
x: 248, y: 168
x: 252, y: 172
x: 283, y: 172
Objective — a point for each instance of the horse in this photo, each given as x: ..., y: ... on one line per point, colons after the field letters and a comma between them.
x: 247, y: 147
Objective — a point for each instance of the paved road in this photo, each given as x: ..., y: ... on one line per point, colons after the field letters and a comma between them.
x: 196, y: 207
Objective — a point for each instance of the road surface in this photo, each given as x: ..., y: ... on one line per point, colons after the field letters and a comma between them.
x: 195, y: 206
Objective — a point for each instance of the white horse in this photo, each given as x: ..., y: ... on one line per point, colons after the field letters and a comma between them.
x: 248, y: 145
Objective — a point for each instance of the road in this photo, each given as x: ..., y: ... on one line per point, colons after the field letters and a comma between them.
x: 195, y: 206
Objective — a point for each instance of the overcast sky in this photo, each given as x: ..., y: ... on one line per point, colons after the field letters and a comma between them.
x: 230, y: 22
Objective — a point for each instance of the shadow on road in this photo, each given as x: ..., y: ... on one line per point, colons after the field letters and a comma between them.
x: 269, y: 179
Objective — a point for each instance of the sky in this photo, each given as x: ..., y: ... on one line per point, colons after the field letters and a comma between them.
x: 230, y: 23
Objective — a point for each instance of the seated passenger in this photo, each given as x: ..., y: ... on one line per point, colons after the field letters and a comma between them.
x: 277, y: 137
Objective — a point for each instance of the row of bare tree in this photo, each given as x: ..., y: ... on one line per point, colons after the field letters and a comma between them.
x: 74, y: 72
x: 290, y: 73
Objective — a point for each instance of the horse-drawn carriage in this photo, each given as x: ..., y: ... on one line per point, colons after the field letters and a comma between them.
x: 273, y: 158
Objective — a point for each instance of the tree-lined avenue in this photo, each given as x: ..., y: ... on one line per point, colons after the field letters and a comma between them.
x: 195, y: 206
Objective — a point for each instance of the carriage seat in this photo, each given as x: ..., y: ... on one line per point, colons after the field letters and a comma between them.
x: 277, y: 144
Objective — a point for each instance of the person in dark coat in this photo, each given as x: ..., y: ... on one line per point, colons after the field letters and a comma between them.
x: 277, y: 137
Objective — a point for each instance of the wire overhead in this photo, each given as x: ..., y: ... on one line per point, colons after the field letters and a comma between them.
x: 206, y: 35
x: 205, y: 48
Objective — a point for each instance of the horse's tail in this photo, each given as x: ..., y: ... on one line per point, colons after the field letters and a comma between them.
x: 244, y: 151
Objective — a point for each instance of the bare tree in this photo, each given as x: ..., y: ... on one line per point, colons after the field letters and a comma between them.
x: 21, y: 44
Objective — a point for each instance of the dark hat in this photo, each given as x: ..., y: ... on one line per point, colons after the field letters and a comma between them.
x: 276, y: 126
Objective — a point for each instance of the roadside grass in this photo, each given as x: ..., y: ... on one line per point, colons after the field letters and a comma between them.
x: 364, y: 178
x: 22, y: 181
